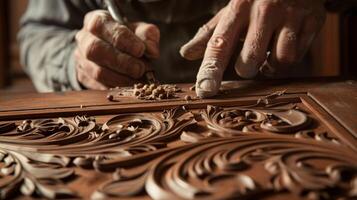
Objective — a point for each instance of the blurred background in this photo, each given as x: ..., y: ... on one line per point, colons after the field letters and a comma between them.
x: 12, y: 77
x: 332, y: 54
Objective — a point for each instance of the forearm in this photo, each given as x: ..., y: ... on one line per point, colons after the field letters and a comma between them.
x: 47, y: 42
x: 47, y: 56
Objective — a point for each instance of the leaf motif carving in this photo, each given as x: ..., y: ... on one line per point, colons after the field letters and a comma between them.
x: 224, y: 153
x: 236, y: 121
x: 21, y: 172
x: 221, y: 169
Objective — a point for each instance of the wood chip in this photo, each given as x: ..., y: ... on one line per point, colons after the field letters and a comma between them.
x: 188, y: 98
x: 155, y: 91
x: 110, y: 97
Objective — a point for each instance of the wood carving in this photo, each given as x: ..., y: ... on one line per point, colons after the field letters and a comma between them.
x: 219, y: 153
x: 224, y: 169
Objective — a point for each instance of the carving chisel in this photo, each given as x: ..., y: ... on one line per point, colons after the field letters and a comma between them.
x: 117, y: 15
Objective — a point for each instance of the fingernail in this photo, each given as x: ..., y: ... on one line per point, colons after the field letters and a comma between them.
x: 207, y: 88
x: 209, y: 78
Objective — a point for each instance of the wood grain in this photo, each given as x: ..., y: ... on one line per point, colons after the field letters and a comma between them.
x: 282, y: 146
x: 87, y: 101
x: 340, y: 100
x: 326, y: 49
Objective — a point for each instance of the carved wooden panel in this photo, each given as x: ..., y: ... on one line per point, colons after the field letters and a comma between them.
x: 275, y: 147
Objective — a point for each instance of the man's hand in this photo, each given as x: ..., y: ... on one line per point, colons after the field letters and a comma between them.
x: 289, y: 25
x: 109, y: 54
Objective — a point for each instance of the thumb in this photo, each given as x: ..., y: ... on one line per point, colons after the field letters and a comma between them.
x: 150, y: 35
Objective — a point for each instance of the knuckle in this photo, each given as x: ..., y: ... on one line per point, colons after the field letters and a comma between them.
x: 94, y: 24
x: 96, y: 20
x: 236, y: 6
x: 120, y: 32
x: 291, y: 37
x: 92, y: 49
x: 204, y: 30
x: 218, y: 42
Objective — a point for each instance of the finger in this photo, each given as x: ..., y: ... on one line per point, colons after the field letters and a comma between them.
x: 259, y: 35
x: 88, y: 82
x: 82, y: 76
x: 102, y: 25
x: 286, y: 50
x: 195, y: 48
x: 307, y: 35
x: 150, y: 35
x: 99, y: 77
x: 311, y: 27
x: 220, y: 48
x: 100, y: 52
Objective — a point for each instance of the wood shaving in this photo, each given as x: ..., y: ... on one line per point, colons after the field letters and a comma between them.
x: 155, y: 91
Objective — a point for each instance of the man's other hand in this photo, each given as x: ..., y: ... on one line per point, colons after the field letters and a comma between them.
x: 110, y: 54
x: 288, y: 25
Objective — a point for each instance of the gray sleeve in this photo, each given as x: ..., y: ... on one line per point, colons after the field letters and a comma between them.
x: 47, y: 42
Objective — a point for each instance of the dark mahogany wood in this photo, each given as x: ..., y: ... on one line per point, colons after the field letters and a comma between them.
x: 282, y: 141
x: 14, y: 106
x: 340, y: 100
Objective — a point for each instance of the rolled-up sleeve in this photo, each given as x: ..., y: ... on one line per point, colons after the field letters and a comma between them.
x: 47, y: 42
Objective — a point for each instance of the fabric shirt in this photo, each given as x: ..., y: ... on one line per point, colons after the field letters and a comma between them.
x: 48, y: 30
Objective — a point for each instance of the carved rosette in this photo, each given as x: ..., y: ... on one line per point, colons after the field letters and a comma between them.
x: 231, y: 122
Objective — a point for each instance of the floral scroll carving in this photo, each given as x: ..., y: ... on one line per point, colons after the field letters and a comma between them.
x: 222, y: 169
x: 26, y: 173
x: 217, y: 153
